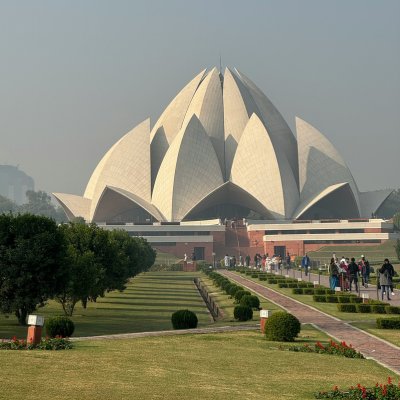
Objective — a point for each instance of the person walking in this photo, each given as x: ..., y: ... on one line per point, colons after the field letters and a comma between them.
x: 226, y: 222
x: 248, y: 259
x: 334, y: 274
x: 385, y: 278
x: 233, y: 261
x: 288, y: 260
x: 255, y: 261
x: 279, y: 261
x: 227, y: 261
x: 305, y: 262
x: 241, y: 260
x: 365, y: 270
x: 353, y: 269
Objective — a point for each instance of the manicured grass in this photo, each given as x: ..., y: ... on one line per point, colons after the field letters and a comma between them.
x: 230, y: 365
x: 328, y: 308
x: 165, y: 258
x: 146, y: 305
x: 228, y: 304
x: 391, y: 335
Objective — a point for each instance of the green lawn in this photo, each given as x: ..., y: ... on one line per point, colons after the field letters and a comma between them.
x: 166, y: 258
x: 146, y: 305
x: 230, y: 365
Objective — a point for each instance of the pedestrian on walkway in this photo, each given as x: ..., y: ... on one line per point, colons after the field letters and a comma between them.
x: 255, y: 261
x: 241, y: 260
x: 365, y: 270
x: 279, y: 261
x: 288, y: 260
x: 233, y: 264
x: 353, y: 269
x: 385, y: 278
x: 227, y: 261
x: 334, y: 274
x: 305, y: 262
x: 226, y: 222
x: 248, y: 259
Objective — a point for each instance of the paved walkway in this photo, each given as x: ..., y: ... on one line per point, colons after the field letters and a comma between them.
x: 381, y: 351
x: 168, y: 333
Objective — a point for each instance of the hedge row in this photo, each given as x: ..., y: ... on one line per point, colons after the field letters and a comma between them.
x: 368, y: 308
x: 388, y: 323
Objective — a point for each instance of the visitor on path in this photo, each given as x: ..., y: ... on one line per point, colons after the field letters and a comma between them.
x: 334, y: 274
x: 248, y: 259
x: 227, y: 261
x: 288, y: 260
x: 279, y: 261
x: 233, y: 262
x: 233, y: 224
x: 264, y: 260
x: 353, y: 269
x: 255, y: 261
x: 342, y: 259
x: 305, y: 262
x: 343, y: 277
x: 365, y: 270
x: 193, y: 257
x: 241, y: 260
x: 385, y: 278
x: 185, y: 258
x: 334, y: 255
x: 226, y: 222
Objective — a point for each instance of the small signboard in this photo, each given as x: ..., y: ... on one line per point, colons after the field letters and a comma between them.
x: 265, y: 313
x: 36, y: 320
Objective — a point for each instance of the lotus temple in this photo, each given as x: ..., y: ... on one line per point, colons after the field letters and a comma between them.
x: 221, y: 150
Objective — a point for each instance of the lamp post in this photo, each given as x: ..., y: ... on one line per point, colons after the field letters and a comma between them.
x: 213, y: 254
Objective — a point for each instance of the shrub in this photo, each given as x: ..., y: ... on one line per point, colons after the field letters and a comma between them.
x: 282, y: 285
x: 227, y: 287
x: 225, y: 284
x: 310, y: 285
x: 234, y: 289
x: 378, y: 309
x: 272, y: 281
x: 292, y: 285
x: 320, y: 292
x: 184, y: 319
x: 239, y: 294
x: 388, y: 323
x: 392, y: 310
x: 262, y: 278
x: 250, y: 301
x: 254, y: 275
x: 248, y: 272
x: 350, y: 308
x: 363, y: 308
x: 57, y: 343
x: 308, y: 291
x: 297, y: 291
x: 59, y: 326
x: 319, y: 298
x: 282, y: 326
x: 356, y: 300
x: 330, y: 291
x: 242, y: 271
x: 332, y: 299
x: 344, y: 299
x: 302, y: 285
x: 243, y: 313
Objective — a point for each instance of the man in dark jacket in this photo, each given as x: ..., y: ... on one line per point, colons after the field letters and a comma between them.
x: 354, y: 270
x: 305, y: 262
x: 248, y: 259
x: 288, y: 260
x: 364, y: 268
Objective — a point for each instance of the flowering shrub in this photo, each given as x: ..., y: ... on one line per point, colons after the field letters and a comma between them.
x: 379, y: 391
x: 57, y: 343
x: 339, y: 349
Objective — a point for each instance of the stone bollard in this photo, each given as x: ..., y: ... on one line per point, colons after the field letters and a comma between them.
x: 264, y: 314
x: 365, y: 298
x: 315, y: 284
x: 36, y: 323
x: 299, y: 279
x: 338, y: 290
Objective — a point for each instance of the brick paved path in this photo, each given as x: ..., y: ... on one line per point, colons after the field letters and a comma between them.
x: 381, y: 351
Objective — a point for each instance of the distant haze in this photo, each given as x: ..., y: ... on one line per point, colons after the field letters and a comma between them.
x: 76, y: 76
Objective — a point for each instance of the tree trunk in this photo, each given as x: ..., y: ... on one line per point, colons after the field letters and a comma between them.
x: 21, y: 316
x: 84, y: 303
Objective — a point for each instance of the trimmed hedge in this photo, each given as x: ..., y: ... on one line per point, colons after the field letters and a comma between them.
x: 363, y: 308
x: 239, y: 294
x: 254, y: 275
x: 308, y: 291
x: 392, y: 310
x: 330, y: 291
x: 243, y: 313
x: 228, y: 286
x: 357, y: 300
x: 297, y: 291
x: 282, y: 285
x: 319, y: 298
x: 344, y: 299
x: 61, y: 326
x: 388, y: 323
x: 233, y: 289
x: 332, y: 299
x: 184, y: 319
x: 262, y: 278
x: 249, y: 272
x: 292, y: 285
x: 272, y: 281
x: 378, y: 309
x: 242, y: 271
x: 350, y: 308
x: 302, y: 285
x: 320, y: 292
x: 250, y: 301
x: 282, y: 326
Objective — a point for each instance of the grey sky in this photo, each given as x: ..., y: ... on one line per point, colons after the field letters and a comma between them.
x: 76, y: 76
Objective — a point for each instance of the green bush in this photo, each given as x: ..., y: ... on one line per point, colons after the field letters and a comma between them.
x: 308, y: 291
x: 242, y: 271
x: 356, y: 300
x: 184, y: 319
x: 282, y: 327
x: 297, y: 291
x: 332, y: 299
x: 235, y: 289
x: 363, y: 308
x: 251, y: 301
x: 350, y: 308
x: 310, y: 285
x: 272, y: 281
x: 262, y: 278
x: 282, y: 285
x: 388, y: 323
x: 249, y: 272
x: 243, y: 313
x: 59, y: 326
x: 392, y: 310
x: 319, y: 298
x: 344, y: 299
x: 330, y: 291
x: 319, y: 291
x: 228, y: 286
x: 254, y: 275
x: 293, y: 285
x: 239, y: 294
x: 378, y: 309
x: 302, y: 285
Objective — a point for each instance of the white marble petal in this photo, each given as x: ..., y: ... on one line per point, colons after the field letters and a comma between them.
x: 74, y: 206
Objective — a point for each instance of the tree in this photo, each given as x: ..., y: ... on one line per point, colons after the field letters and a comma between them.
x: 32, y: 263
x: 39, y: 203
x: 396, y: 221
x: 7, y: 205
x: 78, y: 220
x: 397, y: 248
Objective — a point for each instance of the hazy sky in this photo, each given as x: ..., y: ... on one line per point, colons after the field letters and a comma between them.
x: 76, y: 76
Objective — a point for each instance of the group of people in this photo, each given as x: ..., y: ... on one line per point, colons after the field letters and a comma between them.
x: 260, y: 262
x: 189, y: 258
x: 345, y: 272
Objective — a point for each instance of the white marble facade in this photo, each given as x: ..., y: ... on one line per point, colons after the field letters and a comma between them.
x: 219, y: 129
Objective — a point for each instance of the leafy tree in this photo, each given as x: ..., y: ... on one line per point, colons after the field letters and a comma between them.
x: 396, y: 221
x: 39, y: 203
x: 32, y: 263
x: 397, y: 248
x: 78, y: 220
x: 7, y: 205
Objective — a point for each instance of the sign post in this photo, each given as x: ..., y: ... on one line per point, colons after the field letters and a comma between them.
x: 35, y: 323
